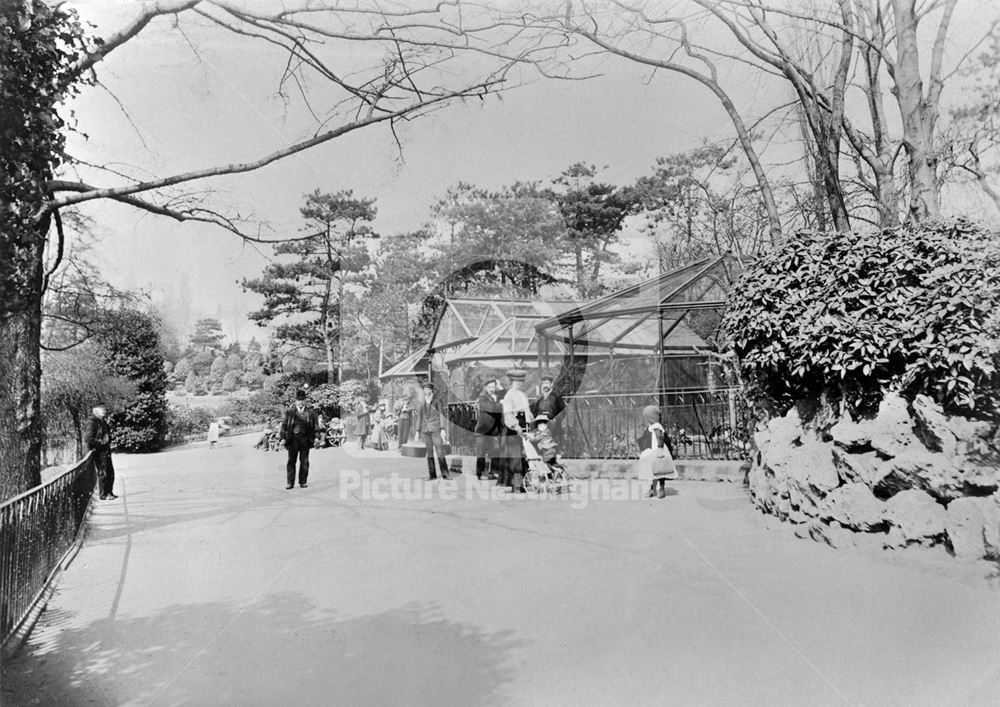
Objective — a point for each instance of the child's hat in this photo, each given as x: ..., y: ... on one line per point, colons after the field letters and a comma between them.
x: 541, y: 417
x: 651, y: 413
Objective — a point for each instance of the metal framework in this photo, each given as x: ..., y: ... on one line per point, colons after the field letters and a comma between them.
x: 670, y: 316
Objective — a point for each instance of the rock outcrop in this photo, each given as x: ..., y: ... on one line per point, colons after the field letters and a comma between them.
x: 910, y: 475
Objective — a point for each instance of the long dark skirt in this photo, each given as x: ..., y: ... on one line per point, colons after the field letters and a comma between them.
x: 512, y: 461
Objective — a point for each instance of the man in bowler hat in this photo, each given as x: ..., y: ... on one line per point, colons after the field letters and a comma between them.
x: 97, y: 437
x: 432, y: 424
x: 549, y: 403
x: 298, y: 430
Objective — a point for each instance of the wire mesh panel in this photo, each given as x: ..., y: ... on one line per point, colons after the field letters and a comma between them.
x: 701, y: 424
x: 37, y: 529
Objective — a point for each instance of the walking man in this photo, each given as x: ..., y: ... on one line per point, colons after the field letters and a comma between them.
x: 97, y: 437
x: 298, y: 430
x: 431, y: 425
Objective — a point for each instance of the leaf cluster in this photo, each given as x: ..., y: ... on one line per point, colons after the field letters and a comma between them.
x: 854, y: 315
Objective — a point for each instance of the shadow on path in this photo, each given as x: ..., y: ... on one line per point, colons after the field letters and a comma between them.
x: 280, y: 650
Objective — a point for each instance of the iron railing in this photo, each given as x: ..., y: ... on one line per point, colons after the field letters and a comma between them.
x: 37, y: 530
x: 702, y: 424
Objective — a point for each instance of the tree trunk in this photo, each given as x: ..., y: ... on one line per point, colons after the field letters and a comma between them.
x: 918, y: 117
x: 20, y: 391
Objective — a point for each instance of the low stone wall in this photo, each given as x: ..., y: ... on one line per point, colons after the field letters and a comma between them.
x: 911, y: 475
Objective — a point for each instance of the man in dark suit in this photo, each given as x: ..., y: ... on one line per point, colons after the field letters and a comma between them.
x: 549, y: 403
x: 489, y: 422
x: 432, y: 425
x: 298, y: 430
x: 97, y: 437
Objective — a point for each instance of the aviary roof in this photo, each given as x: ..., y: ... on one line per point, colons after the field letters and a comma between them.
x: 506, y: 343
x: 628, y: 319
x: 466, y: 319
x: 413, y: 365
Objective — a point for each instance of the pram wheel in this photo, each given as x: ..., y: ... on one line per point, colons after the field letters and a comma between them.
x: 534, y: 482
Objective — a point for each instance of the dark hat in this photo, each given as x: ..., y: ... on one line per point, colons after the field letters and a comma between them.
x: 546, y: 377
x: 427, y: 385
x: 99, y: 404
x: 300, y: 394
x: 516, y: 374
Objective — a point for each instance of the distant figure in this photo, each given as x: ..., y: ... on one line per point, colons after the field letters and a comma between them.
x: 404, y: 413
x: 298, y: 431
x: 213, y: 434
x: 364, y: 426
x: 431, y: 424
x: 97, y: 437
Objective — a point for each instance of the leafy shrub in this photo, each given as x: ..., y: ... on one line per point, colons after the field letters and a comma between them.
x: 339, y: 401
x: 232, y: 380
x: 285, y: 385
x: 851, y: 316
x: 130, y: 343
x: 258, y: 408
x: 188, y: 420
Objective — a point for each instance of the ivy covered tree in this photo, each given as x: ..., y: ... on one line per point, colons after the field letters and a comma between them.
x: 303, y: 292
x: 38, y: 54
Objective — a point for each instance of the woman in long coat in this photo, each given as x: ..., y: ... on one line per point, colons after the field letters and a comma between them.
x: 489, y: 424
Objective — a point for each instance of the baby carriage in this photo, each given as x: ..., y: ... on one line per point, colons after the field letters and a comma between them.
x: 543, y: 477
x: 336, y: 434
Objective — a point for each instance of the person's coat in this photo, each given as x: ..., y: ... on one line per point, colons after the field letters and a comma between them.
x: 311, y: 422
x: 489, y: 421
x: 97, y: 435
x: 552, y: 405
x: 436, y: 420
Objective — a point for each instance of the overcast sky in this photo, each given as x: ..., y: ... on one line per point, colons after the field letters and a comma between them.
x: 189, y: 108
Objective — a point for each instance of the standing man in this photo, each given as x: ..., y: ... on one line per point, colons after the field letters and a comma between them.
x: 364, y: 425
x: 489, y: 425
x: 431, y: 424
x: 549, y: 403
x: 516, y: 418
x: 298, y: 430
x: 97, y: 437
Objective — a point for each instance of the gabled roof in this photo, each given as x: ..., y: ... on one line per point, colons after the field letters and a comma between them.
x: 509, y: 341
x: 413, y: 365
x: 465, y: 319
x: 633, y: 318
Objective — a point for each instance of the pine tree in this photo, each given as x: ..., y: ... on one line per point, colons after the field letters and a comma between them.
x: 304, y: 291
